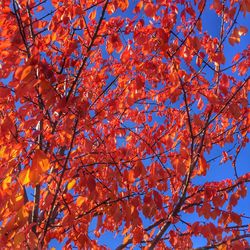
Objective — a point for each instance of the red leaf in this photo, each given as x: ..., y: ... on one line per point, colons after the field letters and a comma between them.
x: 149, y: 9
x: 125, y: 55
x: 137, y: 235
x: 157, y: 199
x: 91, y: 184
x: 4, y: 91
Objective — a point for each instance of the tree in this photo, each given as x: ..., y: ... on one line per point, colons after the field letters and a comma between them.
x: 113, y: 113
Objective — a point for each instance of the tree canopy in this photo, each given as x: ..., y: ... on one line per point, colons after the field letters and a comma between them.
x: 114, y: 114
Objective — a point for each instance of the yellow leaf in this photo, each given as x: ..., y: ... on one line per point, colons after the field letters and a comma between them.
x: 2, y: 151
x: 71, y: 184
x: 80, y: 200
x: 24, y: 176
x: 6, y: 182
x: 53, y: 36
x: 30, y: 175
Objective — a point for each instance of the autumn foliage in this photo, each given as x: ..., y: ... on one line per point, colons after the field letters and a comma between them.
x: 114, y: 114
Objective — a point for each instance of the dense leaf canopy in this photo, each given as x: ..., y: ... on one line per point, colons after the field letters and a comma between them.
x: 113, y: 113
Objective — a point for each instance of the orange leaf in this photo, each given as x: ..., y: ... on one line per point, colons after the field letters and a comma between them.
x: 236, y: 34
x: 203, y: 166
x: 80, y: 200
x: 125, y: 56
x: 40, y: 161
x: 53, y: 36
x: 138, y: 7
x: 126, y: 238
x: 6, y: 182
x: 222, y: 247
x: 27, y: 71
x: 234, y: 38
x: 19, y: 238
x: 123, y: 4
x: 92, y: 15
x: 40, y: 164
x: 111, y: 8
x: 18, y: 72
x: 34, y: 175
x: 109, y: 47
x: 131, y: 177
x: 242, y: 30
x: 236, y: 57
x: 2, y: 151
x: 39, y: 8
x: 22, y: 215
